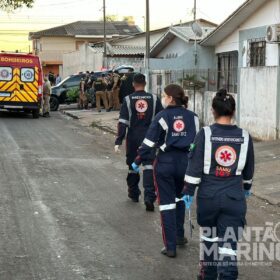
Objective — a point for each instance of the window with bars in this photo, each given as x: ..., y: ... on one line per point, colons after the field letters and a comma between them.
x: 257, y: 53
x: 227, y: 71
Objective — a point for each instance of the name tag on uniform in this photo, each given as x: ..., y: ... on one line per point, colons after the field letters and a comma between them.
x: 227, y: 139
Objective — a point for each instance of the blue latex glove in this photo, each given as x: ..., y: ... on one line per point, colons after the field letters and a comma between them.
x: 247, y: 194
x: 188, y: 201
x: 135, y: 167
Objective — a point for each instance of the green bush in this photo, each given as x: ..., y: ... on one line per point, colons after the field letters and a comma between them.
x: 72, y: 95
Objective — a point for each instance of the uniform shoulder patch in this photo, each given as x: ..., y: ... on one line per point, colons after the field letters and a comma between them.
x: 192, y: 147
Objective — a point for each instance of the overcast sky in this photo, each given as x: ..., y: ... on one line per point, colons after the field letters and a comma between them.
x: 45, y: 14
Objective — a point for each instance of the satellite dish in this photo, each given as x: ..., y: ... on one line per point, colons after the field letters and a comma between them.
x: 197, y: 30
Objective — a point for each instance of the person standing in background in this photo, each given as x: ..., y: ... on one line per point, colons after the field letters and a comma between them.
x: 47, y: 91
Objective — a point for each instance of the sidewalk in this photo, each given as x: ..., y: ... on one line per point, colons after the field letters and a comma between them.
x: 267, y: 176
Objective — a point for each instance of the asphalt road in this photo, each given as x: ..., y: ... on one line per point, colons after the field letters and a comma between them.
x: 64, y: 212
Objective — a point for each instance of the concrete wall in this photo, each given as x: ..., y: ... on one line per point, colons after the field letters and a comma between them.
x: 258, y: 101
x: 82, y: 60
x: 136, y: 62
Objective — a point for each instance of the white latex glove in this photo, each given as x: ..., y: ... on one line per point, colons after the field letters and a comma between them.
x: 117, y: 149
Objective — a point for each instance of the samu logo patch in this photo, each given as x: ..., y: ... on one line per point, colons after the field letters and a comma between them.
x: 225, y: 156
x: 141, y: 106
x: 179, y: 126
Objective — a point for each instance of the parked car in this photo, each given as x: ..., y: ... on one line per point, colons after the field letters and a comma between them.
x: 72, y: 82
x: 59, y: 92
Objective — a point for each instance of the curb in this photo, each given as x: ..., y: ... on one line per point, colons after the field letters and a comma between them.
x: 93, y: 124
x: 69, y: 114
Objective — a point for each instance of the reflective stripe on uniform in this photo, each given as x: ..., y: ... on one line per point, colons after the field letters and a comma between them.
x: 148, y: 167
x: 247, y: 181
x: 127, y: 99
x: 243, y: 152
x: 124, y: 121
x: 163, y: 147
x: 196, y: 121
x: 154, y: 106
x: 215, y: 239
x: 167, y: 207
x: 149, y: 143
x: 227, y: 251
x: 178, y: 199
x: 207, y: 150
x: 163, y: 124
x: 132, y: 172
x: 192, y: 180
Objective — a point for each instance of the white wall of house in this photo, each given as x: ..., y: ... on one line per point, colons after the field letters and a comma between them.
x: 57, y: 43
x: 176, y: 48
x: 258, y: 95
x: 231, y: 43
x: 268, y: 14
x: 82, y: 60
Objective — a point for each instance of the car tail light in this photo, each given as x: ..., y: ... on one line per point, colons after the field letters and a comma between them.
x: 40, y: 91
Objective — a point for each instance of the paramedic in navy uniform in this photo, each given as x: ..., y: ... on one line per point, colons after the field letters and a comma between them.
x: 173, y: 131
x: 137, y: 112
x: 221, y: 164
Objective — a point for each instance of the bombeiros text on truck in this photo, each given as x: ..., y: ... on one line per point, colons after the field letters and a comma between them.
x: 21, y: 83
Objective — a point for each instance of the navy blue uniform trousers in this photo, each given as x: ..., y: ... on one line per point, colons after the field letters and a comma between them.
x: 169, y: 173
x: 133, y: 142
x: 216, y: 215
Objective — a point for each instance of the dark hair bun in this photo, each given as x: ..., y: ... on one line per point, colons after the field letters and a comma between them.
x: 223, y: 104
x: 222, y: 93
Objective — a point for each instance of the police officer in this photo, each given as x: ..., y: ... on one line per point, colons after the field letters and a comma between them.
x: 222, y: 165
x: 173, y: 130
x: 83, y: 104
x: 137, y: 112
x: 116, y: 90
x: 100, y: 86
x: 109, y: 92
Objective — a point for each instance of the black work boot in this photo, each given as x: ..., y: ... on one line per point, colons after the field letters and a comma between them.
x: 134, y: 199
x: 149, y: 206
x: 170, y: 254
x: 181, y: 241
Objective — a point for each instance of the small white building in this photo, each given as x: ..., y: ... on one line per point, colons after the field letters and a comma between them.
x: 246, y: 48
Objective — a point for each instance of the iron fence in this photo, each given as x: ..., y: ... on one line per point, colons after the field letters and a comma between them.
x: 201, y: 79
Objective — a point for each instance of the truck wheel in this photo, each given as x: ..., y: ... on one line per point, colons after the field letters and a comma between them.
x: 54, y: 103
x: 35, y: 114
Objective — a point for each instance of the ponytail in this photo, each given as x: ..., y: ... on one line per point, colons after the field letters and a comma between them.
x: 177, y: 94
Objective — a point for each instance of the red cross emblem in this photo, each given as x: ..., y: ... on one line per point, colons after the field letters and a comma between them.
x: 225, y: 156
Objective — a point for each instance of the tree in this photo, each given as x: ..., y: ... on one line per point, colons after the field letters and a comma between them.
x: 110, y: 18
x: 9, y: 5
x: 129, y: 19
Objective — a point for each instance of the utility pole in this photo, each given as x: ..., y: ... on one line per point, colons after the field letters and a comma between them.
x: 195, y: 42
x: 147, y: 60
x: 195, y: 56
x: 105, y: 36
